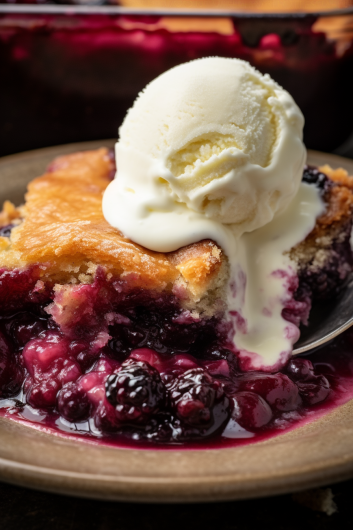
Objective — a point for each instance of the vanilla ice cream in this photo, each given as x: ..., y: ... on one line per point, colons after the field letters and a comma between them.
x: 213, y: 149
x: 222, y: 138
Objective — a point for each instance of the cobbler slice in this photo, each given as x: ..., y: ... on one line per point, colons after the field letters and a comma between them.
x: 101, y: 332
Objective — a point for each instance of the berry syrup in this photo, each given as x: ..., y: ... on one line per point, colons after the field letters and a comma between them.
x: 153, y: 378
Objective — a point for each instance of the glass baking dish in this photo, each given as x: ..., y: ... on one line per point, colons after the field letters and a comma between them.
x: 69, y: 73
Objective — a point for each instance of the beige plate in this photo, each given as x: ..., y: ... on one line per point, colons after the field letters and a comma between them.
x: 313, y: 455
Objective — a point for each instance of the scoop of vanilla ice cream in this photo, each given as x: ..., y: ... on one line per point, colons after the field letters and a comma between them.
x: 221, y: 138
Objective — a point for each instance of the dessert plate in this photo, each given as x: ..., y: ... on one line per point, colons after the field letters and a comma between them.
x: 318, y: 453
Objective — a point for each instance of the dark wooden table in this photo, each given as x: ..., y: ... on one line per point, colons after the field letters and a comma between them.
x: 22, y: 509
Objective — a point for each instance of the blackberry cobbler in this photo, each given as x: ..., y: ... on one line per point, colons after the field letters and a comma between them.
x: 101, y: 337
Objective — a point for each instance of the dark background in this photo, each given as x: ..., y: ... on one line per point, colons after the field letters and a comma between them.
x: 68, y: 78
x: 31, y: 510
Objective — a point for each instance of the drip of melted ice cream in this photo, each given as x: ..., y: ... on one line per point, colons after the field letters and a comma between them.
x: 212, y: 149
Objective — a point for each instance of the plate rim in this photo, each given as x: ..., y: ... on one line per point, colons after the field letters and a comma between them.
x: 197, y: 488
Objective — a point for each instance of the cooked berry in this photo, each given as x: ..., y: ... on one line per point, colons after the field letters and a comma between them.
x: 161, y: 430
x: 180, y: 337
x: 11, y: 373
x: 216, y: 352
x: 194, y: 396
x: 42, y: 395
x: 136, y: 391
x: 300, y: 369
x: 25, y: 327
x: 250, y: 410
x: 73, y: 403
x: 146, y: 355
x: 163, y: 331
x: 105, y: 418
x: 314, y: 390
x: 40, y: 353
x: 47, y: 359
x: 277, y: 389
x: 120, y: 347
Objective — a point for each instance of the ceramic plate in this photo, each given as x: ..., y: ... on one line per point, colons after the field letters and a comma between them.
x: 318, y: 453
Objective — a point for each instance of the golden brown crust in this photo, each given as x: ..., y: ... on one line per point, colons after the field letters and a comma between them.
x: 340, y: 199
x: 198, y: 264
x: 64, y: 229
x: 9, y: 214
x: 66, y: 236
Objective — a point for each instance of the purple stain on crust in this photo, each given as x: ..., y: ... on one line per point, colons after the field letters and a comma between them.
x: 111, y: 158
x: 5, y: 231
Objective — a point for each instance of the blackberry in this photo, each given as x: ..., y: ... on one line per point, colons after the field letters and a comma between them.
x: 73, y: 403
x: 136, y: 391
x: 314, y: 390
x: 42, y: 395
x: 25, y: 327
x: 198, y: 400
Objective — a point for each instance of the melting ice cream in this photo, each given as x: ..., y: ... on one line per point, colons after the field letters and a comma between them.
x: 213, y: 149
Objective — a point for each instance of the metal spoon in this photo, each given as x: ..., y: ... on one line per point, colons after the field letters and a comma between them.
x: 327, y: 321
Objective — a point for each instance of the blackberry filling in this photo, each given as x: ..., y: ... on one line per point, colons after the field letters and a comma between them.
x: 73, y: 403
x: 158, y: 397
